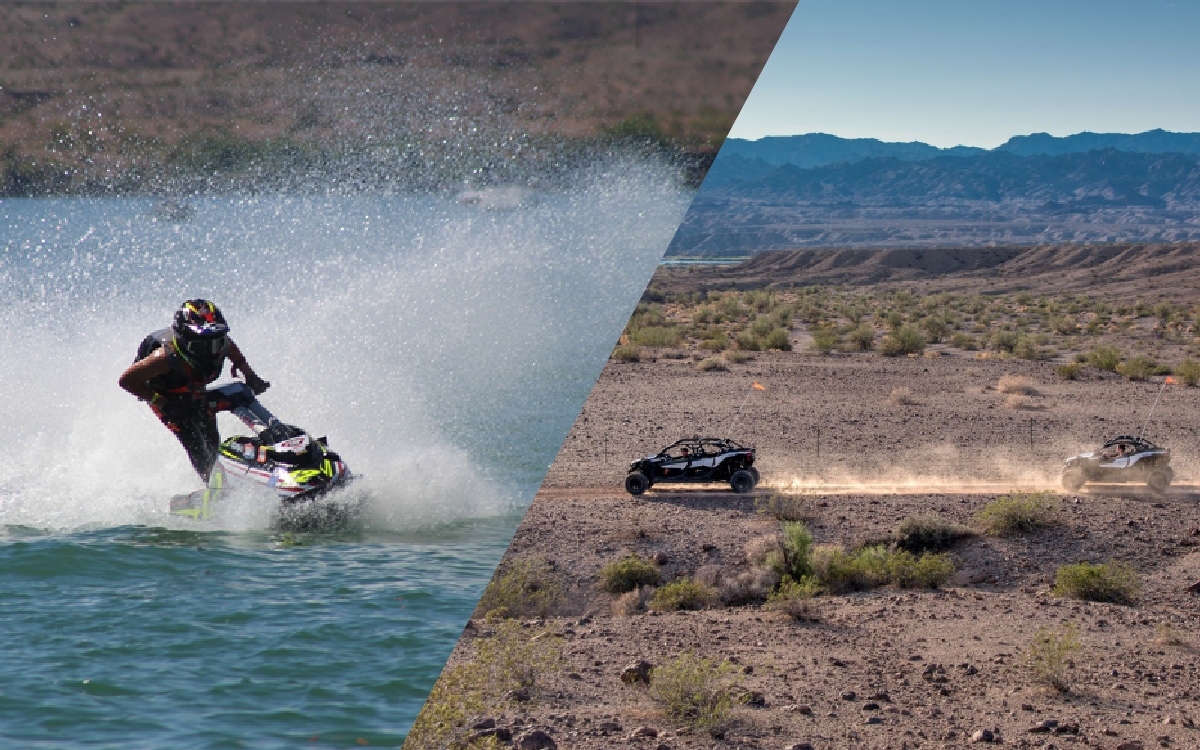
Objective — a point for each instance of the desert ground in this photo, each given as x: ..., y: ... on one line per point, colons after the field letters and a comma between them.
x: 886, y: 667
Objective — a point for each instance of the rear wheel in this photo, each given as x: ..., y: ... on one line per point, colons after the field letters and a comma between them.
x: 636, y: 483
x: 742, y: 481
x: 1159, y: 479
x: 1073, y: 479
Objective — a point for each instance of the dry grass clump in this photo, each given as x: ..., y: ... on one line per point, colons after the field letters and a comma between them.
x: 711, y: 364
x: 521, y: 587
x: 1016, y: 384
x: 627, y: 353
x: 927, y: 532
x: 1018, y: 401
x: 1017, y: 513
x: 1113, y: 582
x: 783, y: 507
x: 1048, y: 656
x: 1069, y: 371
x: 795, y: 599
x: 632, y: 602
x: 748, y: 586
x: 901, y: 395
x: 736, y: 356
x: 760, y: 548
x: 1165, y: 635
x: 695, y: 691
x: 839, y: 571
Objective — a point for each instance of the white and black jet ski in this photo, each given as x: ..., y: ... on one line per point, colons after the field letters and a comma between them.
x: 279, y: 458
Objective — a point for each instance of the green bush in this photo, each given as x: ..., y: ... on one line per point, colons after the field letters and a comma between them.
x: 1003, y: 341
x: 825, y: 340
x: 627, y: 354
x: 1137, y: 368
x: 1019, y: 512
x: 935, y: 329
x: 1111, y: 582
x: 1105, y: 357
x: 795, y: 598
x: 964, y: 341
x: 1027, y: 349
x: 682, y: 594
x: 1048, y: 657
x: 655, y: 336
x: 778, y: 339
x: 862, y: 338
x: 904, y: 340
x: 710, y: 364
x: 1188, y: 371
x: 748, y: 342
x: 695, y: 690
x: 522, y: 587
x: 719, y: 342
x: 797, y: 550
x: 927, y: 532
x: 1068, y: 372
x: 907, y: 571
x: 627, y: 574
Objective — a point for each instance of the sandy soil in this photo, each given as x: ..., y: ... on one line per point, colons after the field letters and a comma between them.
x: 885, y: 668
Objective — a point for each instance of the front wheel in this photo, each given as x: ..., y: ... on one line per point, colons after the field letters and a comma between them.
x: 1159, y: 479
x: 636, y: 483
x: 1073, y: 479
x: 742, y: 481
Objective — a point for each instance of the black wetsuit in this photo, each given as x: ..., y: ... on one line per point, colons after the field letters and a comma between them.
x: 186, y: 411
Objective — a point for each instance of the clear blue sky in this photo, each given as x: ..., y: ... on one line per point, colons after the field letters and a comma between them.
x: 974, y: 73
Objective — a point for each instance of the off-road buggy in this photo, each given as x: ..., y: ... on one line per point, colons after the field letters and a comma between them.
x: 695, y: 460
x: 1123, y: 459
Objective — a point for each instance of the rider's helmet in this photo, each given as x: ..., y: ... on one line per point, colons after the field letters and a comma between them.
x: 200, y: 330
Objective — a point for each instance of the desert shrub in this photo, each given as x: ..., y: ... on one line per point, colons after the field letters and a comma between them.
x: 1027, y: 349
x: 682, y: 594
x: 632, y: 602
x: 1017, y: 513
x: 1003, y: 341
x: 655, y: 336
x: 695, y: 690
x: 521, y: 587
x: 839, y: 572
x: 735, y: 357
x: 935, y: 329
x: 710, y: 364
x: 748, y: 586
x: 1105, y: 357
x: 1137, y: 368
x: 761, y: 548
x: 778, y: 339
x: 824, y: 340
x: 964, y: 341
x: 1110, y: 582
x: 1064, y: 324
x: 627, y: 574
x: 762, y: 325
x: 907, y: 571
x: 1016, y: 384
x: 927, y: 532
x: 513, y: 658
x: 748, y: 342
x: 904, y: 340
x: 1188, y: 371
x: 1018, y: 401
x: 1165, y: 635
x: 783, y: 507
x: 1068, y: 372
x: 796, y: 549
x: 901, y: 395
x: 795, y: 598
x: 704, y: 314
x: 627, y: 354
x: 862, y: 338
x: 1048, y: 656
x: 717, y: 343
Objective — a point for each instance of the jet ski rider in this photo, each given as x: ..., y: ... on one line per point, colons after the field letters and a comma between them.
x: 172, y: 368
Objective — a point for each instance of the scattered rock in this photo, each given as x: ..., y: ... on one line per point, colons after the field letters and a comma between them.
x: 754, y: 698
x: 661, y: 558
x: 1131, y: 745
x: 504, y: 734
x: 870, y: 707
x: 535, y: 739
x: 983, y: 735
x: 644, y: 732
x: 637, y: 673
x: 483, y: 724
x: 799, y: 746
x: 520, y: 696
x: 849, y: 695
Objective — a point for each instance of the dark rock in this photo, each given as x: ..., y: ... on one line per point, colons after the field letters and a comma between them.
x: 848, y: 695
x: 483, y: 724
x: 799, y: 746
x: 870, y: 707
x: 535, y: 739
x: 637, y: 673
x: 661, y: 558
x: 643, y: 732
x: 983, y: 735
x: 520, y: 696
x: 754, y: 698
x: 504, y: 734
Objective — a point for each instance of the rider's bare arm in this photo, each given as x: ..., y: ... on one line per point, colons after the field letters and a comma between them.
x: 238, y: 363
x: 136, y: 377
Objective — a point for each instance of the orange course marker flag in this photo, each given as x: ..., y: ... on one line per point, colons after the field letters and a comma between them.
x: 1169, y: 379
x: 758, y: 386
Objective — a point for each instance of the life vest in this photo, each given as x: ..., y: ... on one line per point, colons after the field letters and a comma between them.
x: 185, y: 376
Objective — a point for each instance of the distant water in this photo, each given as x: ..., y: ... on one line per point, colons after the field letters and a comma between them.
x: 445, y: 352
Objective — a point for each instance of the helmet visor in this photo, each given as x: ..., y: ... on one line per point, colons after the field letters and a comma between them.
x: 207, y: 346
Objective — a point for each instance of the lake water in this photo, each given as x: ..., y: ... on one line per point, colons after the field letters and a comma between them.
x: 444, y: 350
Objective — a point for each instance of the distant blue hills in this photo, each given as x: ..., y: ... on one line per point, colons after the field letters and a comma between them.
x: 746, y: 161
